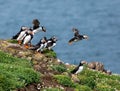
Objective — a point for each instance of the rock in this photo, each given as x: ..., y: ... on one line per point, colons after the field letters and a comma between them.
x: 96, y: 66
x: 20, y: 54
x: 37, y: 57
x: 15, y: 46
x: 99, y: 66
x: 84, y: 62
x: 36, y: 67
x: 67, y: 65
x: 108, y: 72
x: 39, y: 87
x: 75, y: 78
x: 29, y: 58
x: 34, y: 62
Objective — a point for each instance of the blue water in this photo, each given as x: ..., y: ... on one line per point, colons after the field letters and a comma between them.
x: 99, y: 19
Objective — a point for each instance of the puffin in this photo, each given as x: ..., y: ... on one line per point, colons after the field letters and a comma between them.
x: 36, y: 28
x: 77, y: 36
x: 23, y: 28
x: 78, y: 69
x: 40, y: 45
x: 21, y: 34
x: 51, y: 43
x: 29, y: 36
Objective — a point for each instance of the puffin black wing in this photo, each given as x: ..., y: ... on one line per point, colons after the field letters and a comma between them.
x: 15, y: 36
x: 72, y: 40
x: 75, y: 70
x: 77, y: 38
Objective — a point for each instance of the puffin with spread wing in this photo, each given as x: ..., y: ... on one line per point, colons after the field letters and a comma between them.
x: 77, y: 36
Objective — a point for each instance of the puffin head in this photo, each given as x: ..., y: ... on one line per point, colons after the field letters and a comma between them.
x: 85, y: 37
x: 54, y: 38
x: 74, y: 30
x: 82, y: 62
x: 35, y: 22
x: 44, y: 39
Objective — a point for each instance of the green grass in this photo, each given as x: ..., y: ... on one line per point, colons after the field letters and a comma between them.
x: 15, y: 72
x: 49, y: 53
x: 12, y: 41
x: 59, y: 68
x: 64, y: 80
x: 91, y: 81
x: 99, y: 81
x: 67, y: 82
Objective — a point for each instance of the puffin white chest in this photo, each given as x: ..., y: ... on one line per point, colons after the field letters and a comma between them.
x: 79, y: 69
x: 27, y: 39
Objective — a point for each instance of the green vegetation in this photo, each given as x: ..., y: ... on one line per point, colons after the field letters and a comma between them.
x: 91, y: 81
x: 79, y: 87
x: 15, y: 72
x: 59, y: 68
x: 49, y: 53
x: 64, y: 80
x: 12, y: 41
x: 99, y: 81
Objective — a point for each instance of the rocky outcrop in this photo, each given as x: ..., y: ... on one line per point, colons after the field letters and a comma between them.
x: 98, y: 66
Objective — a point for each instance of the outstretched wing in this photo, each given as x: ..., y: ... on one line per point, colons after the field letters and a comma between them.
x: 74, y: 39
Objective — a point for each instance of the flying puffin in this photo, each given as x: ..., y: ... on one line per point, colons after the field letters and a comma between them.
x: 77, y: 36
x: 78, y: 69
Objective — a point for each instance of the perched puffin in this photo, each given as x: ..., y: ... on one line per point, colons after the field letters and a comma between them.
x: 26, y: 33
x: 41, y: 45
x: 78, y: 69
x: 51, y: 42
x: 30, y: 35
x: 21, y: 35
x: 77, y: 36
x: 36, y: 28
x: 23, y: 28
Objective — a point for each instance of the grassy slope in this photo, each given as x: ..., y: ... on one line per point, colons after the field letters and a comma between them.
x: 15, y: 72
